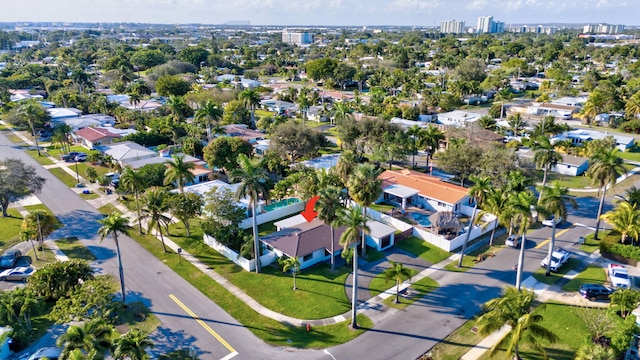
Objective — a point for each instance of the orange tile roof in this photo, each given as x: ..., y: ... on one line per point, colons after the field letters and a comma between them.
x: 428, y: 186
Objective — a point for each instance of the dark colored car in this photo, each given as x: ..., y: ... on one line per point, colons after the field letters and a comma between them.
x: 70, y: 156
x: 595, y: 292
x: 9, y: 259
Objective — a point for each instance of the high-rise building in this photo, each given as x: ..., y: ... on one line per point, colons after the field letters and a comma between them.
x: 497, y: 27
x: 296, y: 38
x: 452, y: 27
x: 603, y: 29
x: 485, y: 25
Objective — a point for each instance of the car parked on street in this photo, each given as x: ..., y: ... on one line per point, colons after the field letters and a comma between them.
x: 619, y: 276
x: 21, y: 273
x: 69, y: 157
x: 9, y: 259
x: 49, y: 353
x: 550, y: 220
x: 595, y: 292
x: 81, y: 157
x: 513, y: 241
x: 559, y: 257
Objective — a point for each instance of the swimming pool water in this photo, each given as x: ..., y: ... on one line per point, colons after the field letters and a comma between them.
x: 421, y: 219
x: 279, y: 204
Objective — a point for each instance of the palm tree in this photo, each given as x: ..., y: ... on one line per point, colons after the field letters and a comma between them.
x: 355, y: 222
x: 625, y: 219
x: 399, y: 273
x: 487, y: 123
x: 91, y: 174
x: 430, y: 138
x: 134, y: 181
x: 479, y: 192
x: 179, y: 172
x: 545, y: 157
x: 115, y: 224
x: 33, y: 113
x: 632, y: 196
x: 364, y: 188
x: 134, y: 99
x: 515, y: 309
x: 132, y: 346
x: 502, y: 96
x: 330, y: 208
x: 90, y: 336
x: 341, y: 112
x: 156, y: 204
x: 595, y: 352
x: 176, y: 106
x: 293, y: 264
x: 61, y: 135
x: 632, y: 106
x: 554, y: 202
x: 209, y: 112
x: 605, y: 168
x: 516, y: 123
x: 519, y: 205
x: 303, y: 105
x: 253, y: 181
x: 251, y: 99
x: 414, y: 132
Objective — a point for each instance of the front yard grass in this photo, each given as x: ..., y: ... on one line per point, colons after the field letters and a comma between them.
x: 592, y: 274
x: 378, y: 284
x: 10, y: 229
x: 458, y: 343
x: 63, y: 176
x: 269, y: 330
x: 44, y: 256
x: 422, y: 287
x: 41, y: 159
x: 423, y: 249
x: 14, y: 138
x: 555, y: 276
x: 136, y: 316
x: 90, y: 196
x: 74, y: 249
x: 469, y: 260
x: 108, y: 209
x: 82, y: 169
x: 590, y: 244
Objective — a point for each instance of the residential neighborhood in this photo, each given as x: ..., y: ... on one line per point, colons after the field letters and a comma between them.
x: 240, y: 191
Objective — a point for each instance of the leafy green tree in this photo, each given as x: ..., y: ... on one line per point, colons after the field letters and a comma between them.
x: 185, y: 207
x: 364, y: 188
x: 235, y: 112
x: 93, y: 299
x: 605, y: 168
x: 555, y: 202
x: 292, y: 264
x: 58, y: 280
x: 252, y: 183
x: 147, y: 58
x: 41, y: 224
x: 625, y: 219
x: 193, y: 55
x: 155, y: 205
x: 132, y: 346
x: 479, y: 192
x: 595, y: 352
x: 179, y: 172
x: 399, y: 273
x: 153, y: 174
x: 295, y: 141
x: 35, y: 116
x: 623, y: 301
x: 223, y: 152
x: 90, y: 336
x: 355, y: 222
x: 330, y: 208
x: 320, y: 69
x: 116, y: 224
x: 625, y: 332
x: 222, y: 216
x: 132, y: 180
x: 515, y: 308
x: 545, y: 156
x: 18, y: 307
x: 210, y: 113
x: 462, y: 160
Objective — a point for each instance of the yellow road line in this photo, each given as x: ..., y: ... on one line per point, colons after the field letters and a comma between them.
x: 202, y: 323
x: 557, y: 234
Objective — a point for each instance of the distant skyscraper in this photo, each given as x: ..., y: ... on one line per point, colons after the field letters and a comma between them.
x: 603, y: 29
x: 452, y: 27
x: 485, y: 25
x: 296, y: 38
x: 497, y: 27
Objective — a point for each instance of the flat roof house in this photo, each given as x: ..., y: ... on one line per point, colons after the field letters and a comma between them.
x: 570, y: 165
x: 580, y: 136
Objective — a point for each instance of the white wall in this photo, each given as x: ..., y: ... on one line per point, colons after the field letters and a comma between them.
x: 273, y: 215
x: 248, y: 265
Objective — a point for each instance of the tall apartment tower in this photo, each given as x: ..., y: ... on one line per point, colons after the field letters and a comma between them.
x: 485, y: 25
x: 296, y: 38
x: 452, y: 27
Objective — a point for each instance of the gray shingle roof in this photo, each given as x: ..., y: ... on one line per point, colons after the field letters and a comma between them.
x: 304, y: 239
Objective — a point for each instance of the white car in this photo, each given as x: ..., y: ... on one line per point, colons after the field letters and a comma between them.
x: 21, y: 273
x: 513, y: 241
x: 549, y: 221
x: 619, y: 276
x: 559, y: 257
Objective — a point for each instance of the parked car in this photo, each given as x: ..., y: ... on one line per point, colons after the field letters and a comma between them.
x: 70, y: 156
x: 9, y: 259
x: 50, y: 353
x: 619, y: 276
x: 81, y: 157
x: 513, y: 241
x: 595, y: 292
x: 549, y: 221
x: 21, y: 273
x: 559, y: 257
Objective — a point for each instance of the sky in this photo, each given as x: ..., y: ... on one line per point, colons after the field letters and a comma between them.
x: 322, y: 12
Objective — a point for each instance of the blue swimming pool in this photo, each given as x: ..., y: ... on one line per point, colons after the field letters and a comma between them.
x: 422, y: 219
x: 280, y: 204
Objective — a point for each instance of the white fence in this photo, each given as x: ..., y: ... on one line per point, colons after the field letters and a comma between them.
x: 273, y: 215
x: 389, y: 220
x: 248, y: 265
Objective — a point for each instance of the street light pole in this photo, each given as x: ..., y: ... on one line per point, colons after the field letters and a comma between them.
x: 77, y: 172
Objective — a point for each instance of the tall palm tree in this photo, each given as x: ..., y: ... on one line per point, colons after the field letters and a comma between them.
x: 179, y: 172
x: 134, y: 181
x: 545, y: 157
x: 430, y: 138
x: 625, y: 219
x: 503, y: 95
x: 364, y: 188
x: 176, y: 106
x: 34, y: 114
x: 132, y: 346
x: 341, y: 112
x: 330, y: 208
x: 632, y: 106
x: 516, y: 123
x: 155, y: 205
x: 414, y: 132
x: 555, y: 202
x: 61, y: 134
x: 116, y: 224
x: 134, y: 99
x: 209, y: 113
x: 605, y: 168
x: 399, y: 273
x: 253, y: 181
x: 515, y: 308
x: 519, y: 205
x: 293, y: 264
x: 303, y: 105
x: 479, y: 192
x: 355, y: 222
x: 251, y: 99
x: 92, y: 335
x: 632, y: 196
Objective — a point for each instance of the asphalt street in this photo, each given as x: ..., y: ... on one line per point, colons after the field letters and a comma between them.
x: 398, y: 334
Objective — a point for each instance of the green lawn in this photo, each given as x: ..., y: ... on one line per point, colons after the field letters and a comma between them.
x: 382, y: 208
x: 63, y: 176
x: 485, y: 251
x: 14, y: 138
x: 592, y: 274
x: 458, y: 343
x: 379, y: 284
x: 633, y: 154
x: 271, y: 331
x: 10, y: 229
x: 555, y: 276
x: 590, y: 245
x: 44, y: 257
x: 74, y: 249
x: 82, y: 169
x: 421, y: 288
x: 90, y: 196
x: 423, y: 249
x: 108, y: 209
x: 41, y: 159
x: 56, y: 152
x: 137, y: 316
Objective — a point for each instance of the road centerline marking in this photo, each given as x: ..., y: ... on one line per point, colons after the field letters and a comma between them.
x: 202, y: 323
x: 557, y: 234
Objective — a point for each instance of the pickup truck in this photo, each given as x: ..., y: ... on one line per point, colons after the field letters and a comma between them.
x: 619, y: 276
x: 559, y: 257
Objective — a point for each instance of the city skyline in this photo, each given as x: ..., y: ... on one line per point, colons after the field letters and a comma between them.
x: 318, y: 13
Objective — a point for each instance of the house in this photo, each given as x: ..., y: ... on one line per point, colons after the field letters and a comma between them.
x: 261, y: 147
x: 326, y: 162
x: 57, y: 114
x: 84, y: 121
x: 570, y: 165
x: 277, y: 106
x: 556, y: 110
x: 20, y: 95
x: 203, y: 188
x: 578, y: 137
x: 458, y: 118
x: 128, y: 152
x: 243, y: 131
x: 95, y: 136
x: 405, y: 124
x: 407, y: 187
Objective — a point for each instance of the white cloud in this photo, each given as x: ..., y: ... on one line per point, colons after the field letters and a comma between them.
x: 478, y: 4
x: 414, y: 5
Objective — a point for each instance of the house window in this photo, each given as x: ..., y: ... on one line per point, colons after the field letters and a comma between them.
x: 440, y: 204
x: 307, y: 257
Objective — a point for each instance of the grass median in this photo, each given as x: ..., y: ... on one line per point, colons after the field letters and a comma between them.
x: 10, y: 229
x: 64, y: 176
x: 423, y: 249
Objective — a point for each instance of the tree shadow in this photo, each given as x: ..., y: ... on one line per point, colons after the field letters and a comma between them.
x: 82, y: 224
x: 166, y: 340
